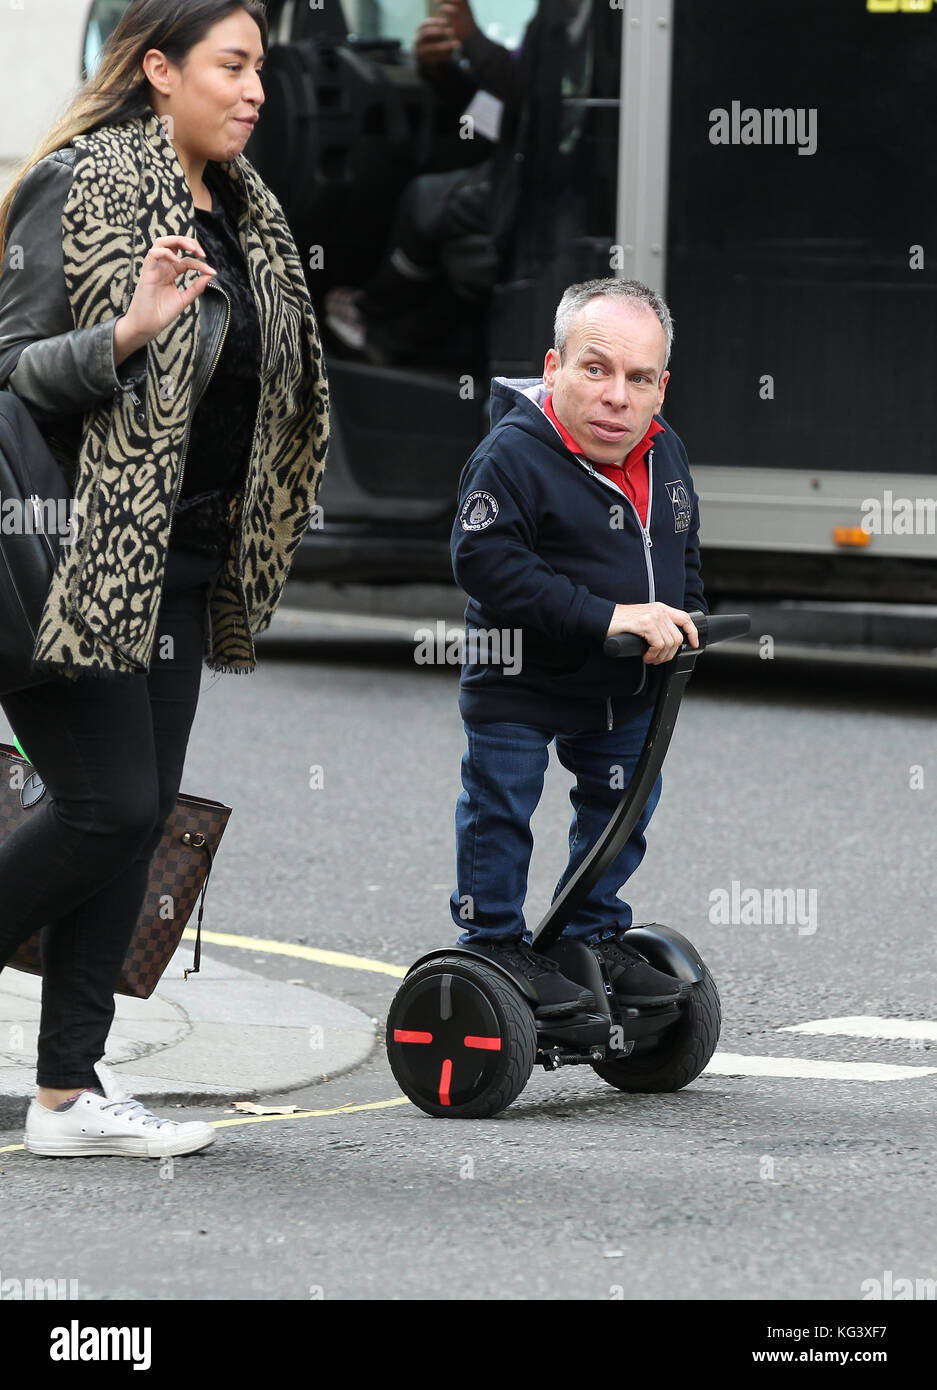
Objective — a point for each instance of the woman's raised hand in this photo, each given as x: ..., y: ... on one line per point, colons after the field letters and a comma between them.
x: 157, y: 299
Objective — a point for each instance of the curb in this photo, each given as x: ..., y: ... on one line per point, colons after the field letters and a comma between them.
x: 210, y: 1039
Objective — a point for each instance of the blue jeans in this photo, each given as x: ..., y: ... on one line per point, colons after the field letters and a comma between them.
x: 502, y: 777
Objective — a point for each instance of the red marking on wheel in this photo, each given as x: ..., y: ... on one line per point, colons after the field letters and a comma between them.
x: 444, y: 1079
x: 407, y: 1035
x: 488, y: 1044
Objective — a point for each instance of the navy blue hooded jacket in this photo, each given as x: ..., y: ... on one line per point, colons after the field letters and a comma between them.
x: 545, y: 547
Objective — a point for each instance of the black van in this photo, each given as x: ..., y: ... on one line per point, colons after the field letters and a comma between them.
x: 768, y: 167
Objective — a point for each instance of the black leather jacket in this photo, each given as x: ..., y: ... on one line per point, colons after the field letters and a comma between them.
x: 58, y: 370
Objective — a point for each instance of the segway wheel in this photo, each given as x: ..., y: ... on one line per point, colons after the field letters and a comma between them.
x: 677, y: 1055
x: 461, y: 1040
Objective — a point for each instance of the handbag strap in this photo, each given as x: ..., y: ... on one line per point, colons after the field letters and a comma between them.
x: 198, y: 841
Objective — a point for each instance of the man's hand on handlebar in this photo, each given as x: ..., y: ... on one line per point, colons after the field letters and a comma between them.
x: 662, y: 627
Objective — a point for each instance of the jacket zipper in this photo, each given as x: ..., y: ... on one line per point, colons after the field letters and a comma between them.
x: 139, y: 406
x: 188, y: 429
x: 209, y: 641
x: 264, y: 378
x: 188, y: 424
x: 645, y: 530
x: 648, y: 543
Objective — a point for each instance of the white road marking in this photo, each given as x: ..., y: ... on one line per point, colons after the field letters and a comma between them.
x: 867, y: 1026
x: 734, y: 1064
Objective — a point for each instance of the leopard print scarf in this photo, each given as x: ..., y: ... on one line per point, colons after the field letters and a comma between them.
x: 101, y: 614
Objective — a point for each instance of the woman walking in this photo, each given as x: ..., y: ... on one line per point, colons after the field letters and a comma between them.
x: 190, y: 417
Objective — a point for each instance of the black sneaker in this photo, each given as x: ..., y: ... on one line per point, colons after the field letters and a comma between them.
x: 556, y: 995
x: 634, y: 980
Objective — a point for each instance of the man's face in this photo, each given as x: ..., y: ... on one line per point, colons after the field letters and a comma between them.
x: 611, y: 381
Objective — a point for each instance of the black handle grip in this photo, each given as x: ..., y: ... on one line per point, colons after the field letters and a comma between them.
x: 718, y: 628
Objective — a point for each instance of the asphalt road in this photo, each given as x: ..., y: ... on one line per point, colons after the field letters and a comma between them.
x: 341, y: 759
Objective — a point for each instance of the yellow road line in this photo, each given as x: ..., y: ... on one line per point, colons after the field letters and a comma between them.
x: 305, y: 1114
x: 264, y: 1119
x: 312, y: 953
x: 288, y: 948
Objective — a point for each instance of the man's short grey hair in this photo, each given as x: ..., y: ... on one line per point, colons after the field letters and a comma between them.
x: 578, y: 296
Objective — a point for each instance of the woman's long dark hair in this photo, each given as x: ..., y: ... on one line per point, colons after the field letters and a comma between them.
x: 119, y: 90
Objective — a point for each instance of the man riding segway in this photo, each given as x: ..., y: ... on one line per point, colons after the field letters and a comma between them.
x: 577, y: 520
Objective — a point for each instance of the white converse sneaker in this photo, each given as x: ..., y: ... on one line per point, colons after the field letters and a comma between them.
x: 112, y: 1123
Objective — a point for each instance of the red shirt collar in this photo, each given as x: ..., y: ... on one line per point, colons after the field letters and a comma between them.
x: 638, y: 451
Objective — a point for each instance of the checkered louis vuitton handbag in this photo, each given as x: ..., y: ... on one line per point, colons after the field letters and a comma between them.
x: 178, y: 873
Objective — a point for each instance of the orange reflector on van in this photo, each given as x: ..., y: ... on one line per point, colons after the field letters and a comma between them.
x: 850, y: 535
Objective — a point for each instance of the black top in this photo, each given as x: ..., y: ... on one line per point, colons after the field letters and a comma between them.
x: 223, y: 422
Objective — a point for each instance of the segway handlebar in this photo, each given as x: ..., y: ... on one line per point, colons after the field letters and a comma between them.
x: 719, y: 627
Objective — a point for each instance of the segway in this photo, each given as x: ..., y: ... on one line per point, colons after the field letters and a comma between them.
x: 462, y: 1038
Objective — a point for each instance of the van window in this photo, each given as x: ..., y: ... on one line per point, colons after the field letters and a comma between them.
x: 103, y: 18
x: 501, y: 20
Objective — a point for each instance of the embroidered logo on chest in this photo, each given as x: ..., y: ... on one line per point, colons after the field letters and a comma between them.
x: 680, y: 501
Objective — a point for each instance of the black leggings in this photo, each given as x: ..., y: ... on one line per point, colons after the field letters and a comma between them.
x: 111, y: 753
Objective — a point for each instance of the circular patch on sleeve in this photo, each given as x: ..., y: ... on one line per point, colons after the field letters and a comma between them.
x: 478, y: 511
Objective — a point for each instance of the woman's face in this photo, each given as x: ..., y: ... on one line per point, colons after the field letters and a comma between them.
x: 214, y: 99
